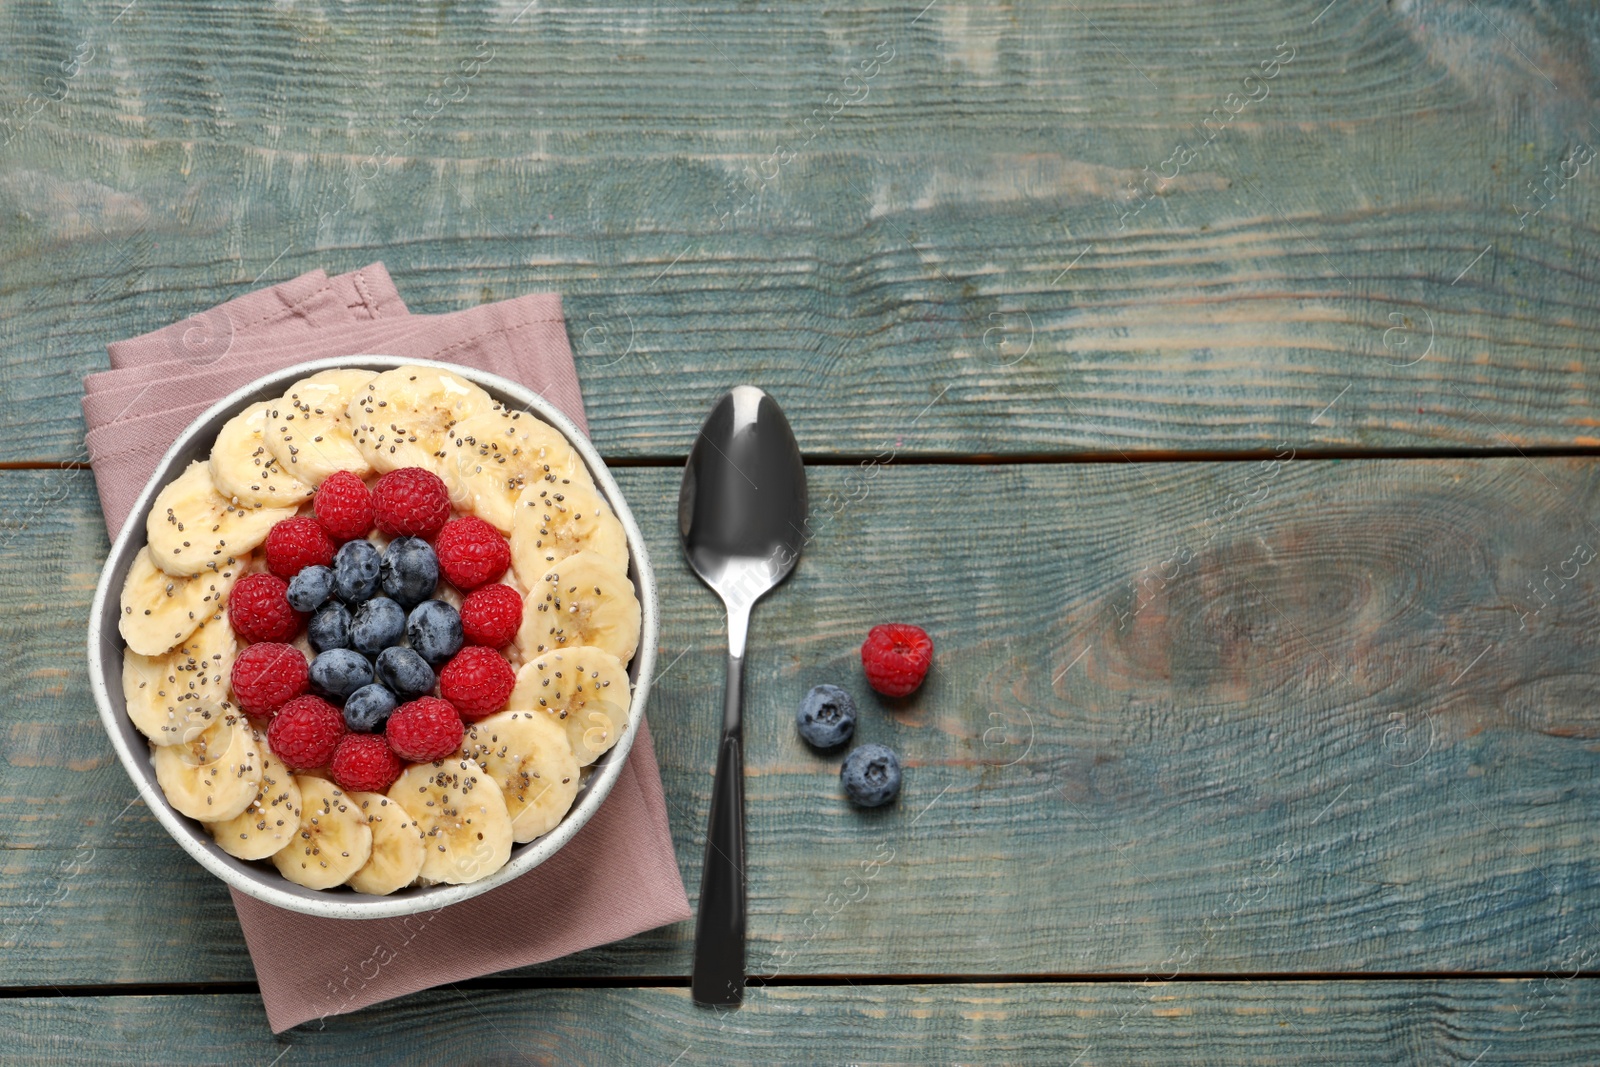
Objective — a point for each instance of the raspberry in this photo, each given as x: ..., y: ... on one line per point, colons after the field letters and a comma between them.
x: 294, y: 544
x: 259, y: 609
x: 424, y: 730
x: 477, y: 681
x: 410, y: 502
x: 364, y: 763
x: 268, y: 675
x: 344, y: 507
x: 471, y: 553
x: 896, y: 658
x: 305, y: 733
x: 491, y: 615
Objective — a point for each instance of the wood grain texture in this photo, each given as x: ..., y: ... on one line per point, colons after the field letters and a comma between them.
x: 1539, y: 1021
x: 1322, y: 741
x: 965, y: 259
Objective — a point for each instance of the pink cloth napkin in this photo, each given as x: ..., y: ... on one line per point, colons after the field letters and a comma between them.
x: 618, y: 876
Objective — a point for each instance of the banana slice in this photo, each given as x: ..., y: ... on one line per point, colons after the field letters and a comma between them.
x: 402, y: 417
x: 527, y: 754
x: 582, y: 600
x: 332, y: 842
x: 245, y: 470
x: 583, y: 689
x: 553, y: 522
x: 272, y: 818
x: 491, y: 458
x: 193, y: 528
x: 396, y: 847
x: 466, y: 828
x: 159, y: 609
x: 307, y: 431
x: 173, y: 697
x: 214, y: 775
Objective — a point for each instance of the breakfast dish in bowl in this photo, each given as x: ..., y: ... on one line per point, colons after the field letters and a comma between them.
x: 378, y: 639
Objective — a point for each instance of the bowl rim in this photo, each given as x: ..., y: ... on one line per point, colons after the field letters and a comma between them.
x: 268, y: 885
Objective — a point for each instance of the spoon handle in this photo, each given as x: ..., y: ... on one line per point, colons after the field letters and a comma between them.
x: 719, y: 931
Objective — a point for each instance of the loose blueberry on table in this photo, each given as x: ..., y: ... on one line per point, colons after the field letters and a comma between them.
x: 871, y: 776
x: 827, y: 717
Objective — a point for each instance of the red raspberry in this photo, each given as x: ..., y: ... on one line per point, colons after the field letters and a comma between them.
x: 492, y: 615
x: 364, y: 763
x: 896, y: 658
x: 424, y: 730
x: 410, y: 502
x: 471, y: 553
x: 268, y: 675
x: 477, y: 681
x: 259, y: 609
x: 296, y: 543
x: 344, y: 506
x: 305, y: 732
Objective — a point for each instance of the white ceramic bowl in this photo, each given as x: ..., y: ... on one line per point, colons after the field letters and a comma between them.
x: 260, y: 879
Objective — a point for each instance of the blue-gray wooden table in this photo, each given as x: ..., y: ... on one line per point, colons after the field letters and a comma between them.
x: 1217, y: 383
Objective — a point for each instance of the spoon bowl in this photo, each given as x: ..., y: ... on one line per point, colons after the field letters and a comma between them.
x: 742, y: 508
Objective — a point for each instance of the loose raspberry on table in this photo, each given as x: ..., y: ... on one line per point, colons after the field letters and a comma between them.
x: 477, y: 681
x: 471, y: 553
x: 410, y: 502
x: 344, y: 506
x: 364, y: 763
x: 491, y: 615
x: 305, y: 732
x: 896, y: 657
x: 268, y: 675
x: 424, y: 730
x: 297, y: 543
x: 259, y: 609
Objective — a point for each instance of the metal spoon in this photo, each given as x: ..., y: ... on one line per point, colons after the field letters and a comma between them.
x: 742, y: 516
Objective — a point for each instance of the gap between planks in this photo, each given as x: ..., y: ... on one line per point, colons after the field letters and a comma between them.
x: 939, y: 459
x: 155, y: 989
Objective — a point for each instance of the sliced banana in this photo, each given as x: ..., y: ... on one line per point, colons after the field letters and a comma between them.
x: 270, y: 821
x: 159, y: 609
x: 582, y: 600
x: 193, y: 528
x: 245, y: 470
x: 213, y: 775
x: 553, y: 522
x: 584, y: 690
x: 527, y: 754
x: 396, y: 847
x: 307, y: 431
x: 466, y: 828
x: 332, y: 842
x: 173, y: 697
x: 491, y: 458
x: 402, y: 417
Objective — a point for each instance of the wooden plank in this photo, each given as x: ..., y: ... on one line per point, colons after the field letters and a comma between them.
x: 965, y: 260
x: 1548, y: 1020
x: 1325, y: 745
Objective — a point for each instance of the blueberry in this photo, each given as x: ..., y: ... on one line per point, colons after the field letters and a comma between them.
x: 871, y: 775
x: 402, y: 670
x: 309, y: 589
x: 330, y: 627
x: 379, y: 623
x: 827, y: 717
x: 355, y: 572
x: 339, y: 672
x: 434, y: 629
x: 368, y: 709
x: 410, y: 571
